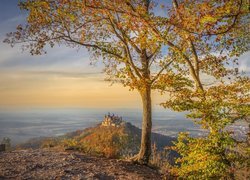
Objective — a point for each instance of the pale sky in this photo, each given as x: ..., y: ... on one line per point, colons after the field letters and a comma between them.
x: 61, y: 78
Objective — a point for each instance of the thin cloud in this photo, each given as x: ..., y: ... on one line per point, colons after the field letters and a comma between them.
x: 61, y: 74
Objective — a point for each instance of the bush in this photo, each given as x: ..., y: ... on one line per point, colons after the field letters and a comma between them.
x: 6, y: 141
x: 211, y: 157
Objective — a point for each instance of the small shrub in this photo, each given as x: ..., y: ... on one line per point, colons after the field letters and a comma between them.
x: 7, y: 142
x: 210, y: 157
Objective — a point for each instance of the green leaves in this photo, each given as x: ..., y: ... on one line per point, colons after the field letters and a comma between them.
x: 204, y: 157
x: 213, y: 155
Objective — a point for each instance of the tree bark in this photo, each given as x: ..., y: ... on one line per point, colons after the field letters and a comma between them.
x: 145, y: 149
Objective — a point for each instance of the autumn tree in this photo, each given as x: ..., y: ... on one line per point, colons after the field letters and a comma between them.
x: 111, y: 31
x: 205, y: 39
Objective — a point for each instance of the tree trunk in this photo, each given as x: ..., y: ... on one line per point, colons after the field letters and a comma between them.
x: 145, y: 149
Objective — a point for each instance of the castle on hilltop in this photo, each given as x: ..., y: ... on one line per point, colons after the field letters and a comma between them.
x: 112, y: 120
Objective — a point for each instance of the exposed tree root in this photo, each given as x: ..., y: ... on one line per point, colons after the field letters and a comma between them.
x: 137, y: 159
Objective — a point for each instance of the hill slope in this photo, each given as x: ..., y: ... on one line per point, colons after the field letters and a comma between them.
x: 109, y: 141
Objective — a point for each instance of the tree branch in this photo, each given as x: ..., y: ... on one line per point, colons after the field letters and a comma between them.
x: 113, y: 25
x: 160, y: 72
x: 196, y: 58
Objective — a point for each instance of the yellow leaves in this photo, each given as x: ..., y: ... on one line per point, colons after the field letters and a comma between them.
x: 70, y: 143
x: 38, y: 12
x: 208, y: 19
x: 202, y: 157
x: 44, y: 4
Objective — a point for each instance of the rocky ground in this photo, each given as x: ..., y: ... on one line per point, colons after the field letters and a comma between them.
x: 51, y: 164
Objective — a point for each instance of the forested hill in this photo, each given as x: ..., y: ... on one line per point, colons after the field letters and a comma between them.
x: 109, y: 141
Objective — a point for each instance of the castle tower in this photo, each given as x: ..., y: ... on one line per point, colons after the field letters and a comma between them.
x: 112, y: 120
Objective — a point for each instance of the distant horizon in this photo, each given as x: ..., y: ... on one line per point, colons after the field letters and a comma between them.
x: 23, y: 124
x: 157, y: 108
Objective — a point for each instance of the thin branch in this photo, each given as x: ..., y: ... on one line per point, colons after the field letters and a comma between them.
x: 125, y: 36
x: 154, y: 53
x: 93, y: 46
x: 160, y: 72
x: 175, y: 4
x: 196, y: 59
x: 127, y: 49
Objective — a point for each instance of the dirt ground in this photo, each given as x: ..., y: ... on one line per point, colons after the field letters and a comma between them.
x: 51, y: 164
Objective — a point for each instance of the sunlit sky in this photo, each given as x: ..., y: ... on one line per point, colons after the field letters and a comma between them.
x: 61, y: 78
